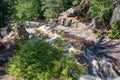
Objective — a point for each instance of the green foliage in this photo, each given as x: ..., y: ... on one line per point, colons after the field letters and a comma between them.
x: 26, y: 10
x: 75, y: 2
x: 38, y: 60
x: 101, y: 8
x: 32, y: 9
x: 6, y: 12
x: 114, y: 32
x: 51, y: 8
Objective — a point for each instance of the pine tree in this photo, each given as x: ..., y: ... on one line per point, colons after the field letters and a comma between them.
x: 6, y: 12
x: 51, y: 8
x: 26, y: 10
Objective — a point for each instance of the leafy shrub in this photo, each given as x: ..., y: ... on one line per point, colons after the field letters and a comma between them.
x: 52, y: 8
x: 114, y: 32
x: 38, y: 60
x: 101, y: 8
x: 26, y: 10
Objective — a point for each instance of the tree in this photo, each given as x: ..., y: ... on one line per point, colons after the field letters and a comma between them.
x: 25, y: 9
x: 51, y: 8
x: 6, y: 12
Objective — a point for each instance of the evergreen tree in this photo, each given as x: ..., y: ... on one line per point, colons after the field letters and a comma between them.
x: 6, y: 12
x: 26, y: 10
x: 51, y: 8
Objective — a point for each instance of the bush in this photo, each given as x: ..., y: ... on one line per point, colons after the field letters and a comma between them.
x: 51, y: 9
x: 114, y: 32
x: 38, y: 60
x: 26, y: 10
x: 101, y: 8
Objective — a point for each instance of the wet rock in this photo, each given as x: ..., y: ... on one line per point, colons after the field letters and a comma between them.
x: 107, y: 69
x: 98, y: 64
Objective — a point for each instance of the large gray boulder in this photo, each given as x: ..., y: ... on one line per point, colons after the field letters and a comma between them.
x: 116, y: 14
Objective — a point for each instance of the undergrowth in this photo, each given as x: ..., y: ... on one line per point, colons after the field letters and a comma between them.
x: 114, y: 32
x: 38, y: 60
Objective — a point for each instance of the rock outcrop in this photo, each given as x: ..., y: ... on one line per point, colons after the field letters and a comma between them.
x: 116, y: 14
x: 100, y: 54
x: 70, y: 18
x: 77, y: 10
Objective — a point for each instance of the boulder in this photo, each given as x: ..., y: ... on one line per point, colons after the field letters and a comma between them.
x: 116, y: 14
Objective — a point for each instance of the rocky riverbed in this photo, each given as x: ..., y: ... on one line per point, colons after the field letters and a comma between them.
x: 101, y: 54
